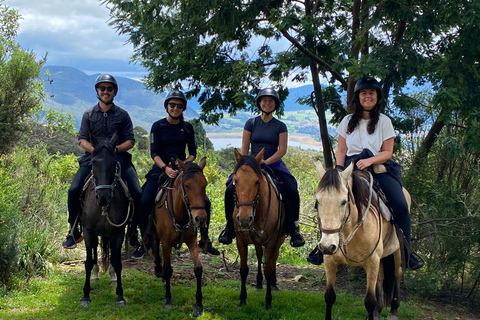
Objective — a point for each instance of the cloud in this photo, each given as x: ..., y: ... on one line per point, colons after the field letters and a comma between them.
x: 74, y: 33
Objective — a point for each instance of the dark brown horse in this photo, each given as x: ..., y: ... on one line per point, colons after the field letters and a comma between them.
x: 354, y: 232
x: 105, y: 212
x: 178, y: 214
x: 258, y: 219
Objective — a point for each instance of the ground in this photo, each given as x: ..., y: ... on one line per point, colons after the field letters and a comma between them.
x: 310, y: 278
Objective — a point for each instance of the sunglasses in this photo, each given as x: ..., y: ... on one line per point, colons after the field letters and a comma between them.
x: 109, y: 89
x: 176, y: 105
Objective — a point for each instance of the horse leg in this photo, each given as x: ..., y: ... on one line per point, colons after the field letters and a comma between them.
x: 95, y: 271
x: 370, y: 301
x: 91, y: 245
x: 398, y: 272
x: 330, y: 295
x: 158, y: 259
x: 198, y: 270
x: 167, y: 273
x: 116, y: 254
x: 379, y: 294
x: 259, y: 252
x: 243, y: 252
x: 270, y: 270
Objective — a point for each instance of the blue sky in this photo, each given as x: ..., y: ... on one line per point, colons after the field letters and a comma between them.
x: 75, y: 33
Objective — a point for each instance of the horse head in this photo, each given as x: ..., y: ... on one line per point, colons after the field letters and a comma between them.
x: 105, y: 170
x: 332, y: 203
x: 247, y: 180
x: 193, y: 184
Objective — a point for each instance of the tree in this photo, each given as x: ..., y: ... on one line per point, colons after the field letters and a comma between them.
x: 21, y: 91
x: 236, y: 47
x: 141, y: 138
x: 201, y: 138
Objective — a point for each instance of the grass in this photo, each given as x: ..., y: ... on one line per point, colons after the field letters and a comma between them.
x: 58, y: 297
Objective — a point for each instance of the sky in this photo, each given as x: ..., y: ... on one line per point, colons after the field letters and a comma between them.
x: 75, y: 33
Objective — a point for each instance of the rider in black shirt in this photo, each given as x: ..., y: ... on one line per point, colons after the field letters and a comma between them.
x: 168, y: 139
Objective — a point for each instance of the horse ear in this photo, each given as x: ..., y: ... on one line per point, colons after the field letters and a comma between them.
x: 182, y: 165
x: 238, y: 155
x: 202, y: 163
x: 347, y: 173
x: 259, y: 156
x: 320, y: 169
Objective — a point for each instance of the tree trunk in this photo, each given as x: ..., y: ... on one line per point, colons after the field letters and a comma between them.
x: 322, y: 121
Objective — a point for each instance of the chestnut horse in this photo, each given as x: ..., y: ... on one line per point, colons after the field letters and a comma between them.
x: 178, y: 214
x: 354, y: 232
x: 105, y: 211
x: 258, y: 218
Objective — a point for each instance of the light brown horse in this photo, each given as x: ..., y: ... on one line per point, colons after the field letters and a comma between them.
x: 258, y: 218
x: 355, y: 233
x: 178, y: 214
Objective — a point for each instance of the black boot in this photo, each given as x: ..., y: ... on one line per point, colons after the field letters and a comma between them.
x: 227, y: 235
x: 207, y: 247
x: 297, y: 239
x: 315, y: 257
x: 414, y: 263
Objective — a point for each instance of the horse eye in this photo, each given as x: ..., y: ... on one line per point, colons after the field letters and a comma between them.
x: 257, y: 183
x: 344, y: 202
x: 316, y: 205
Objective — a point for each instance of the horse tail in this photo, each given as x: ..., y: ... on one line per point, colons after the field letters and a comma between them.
x: 105, y: 243
x: 389, y: 280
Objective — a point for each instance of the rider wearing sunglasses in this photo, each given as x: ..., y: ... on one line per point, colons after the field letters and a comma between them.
x: 168, y: 139
x: 99, y: 122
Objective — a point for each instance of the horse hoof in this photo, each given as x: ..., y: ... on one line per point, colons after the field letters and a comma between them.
x: 159, y: 274
x: 241, y: 304
x: 85, y: 302
x: 197, y: 311
x: 275, y: 288
x: 95, y: 279
x: 113, y: 282
x: 168, y: 306
x: 392, y: 317
x: 258, y: 288
x: 121, y: 303
x: 268, y: 307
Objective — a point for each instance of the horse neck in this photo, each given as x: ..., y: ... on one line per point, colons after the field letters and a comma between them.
x: 179, y: 209
x: 267, y: 197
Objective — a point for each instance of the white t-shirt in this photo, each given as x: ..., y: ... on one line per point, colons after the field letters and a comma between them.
x: 359, y: 139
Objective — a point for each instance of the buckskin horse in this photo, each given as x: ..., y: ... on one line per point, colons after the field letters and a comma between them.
x: 354, y: 232
x: 258, y: 218
x: 178, y: 214
x: 105, y: 211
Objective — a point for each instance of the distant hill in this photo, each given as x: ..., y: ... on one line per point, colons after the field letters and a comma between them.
x: 72, y: 91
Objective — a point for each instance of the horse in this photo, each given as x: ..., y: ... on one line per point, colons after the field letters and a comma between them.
x: 259, y: 220
x: 178, y: 214
x: 354, y: 232
x: 105, y: 211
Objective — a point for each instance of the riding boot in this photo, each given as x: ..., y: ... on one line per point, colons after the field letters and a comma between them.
x: 413, y: 262
x: 227, y: 235
x: 315, y: 257
x: 205, y: 244
x: 296, y: 238
x: 74, y: 236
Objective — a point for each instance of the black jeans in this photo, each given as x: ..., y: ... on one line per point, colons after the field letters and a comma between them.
x: 396, y: 199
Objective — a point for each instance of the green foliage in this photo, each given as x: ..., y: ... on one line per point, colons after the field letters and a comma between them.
x: 141, y: 138
x: 201, y: 138
x: 33, y: 193
x: 20, y: 90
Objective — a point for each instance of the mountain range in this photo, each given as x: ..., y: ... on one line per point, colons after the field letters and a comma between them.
x: 72, y: 90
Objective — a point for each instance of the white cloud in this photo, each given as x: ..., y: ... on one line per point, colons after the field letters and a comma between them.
x: 72, y: 32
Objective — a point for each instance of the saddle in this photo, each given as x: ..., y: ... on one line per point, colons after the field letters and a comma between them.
x: 274, y: 181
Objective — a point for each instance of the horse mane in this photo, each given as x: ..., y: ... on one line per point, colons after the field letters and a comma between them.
x: 103, y: 144
x: 361, y: 192
x: 249, y: 161
x: 360, y: 188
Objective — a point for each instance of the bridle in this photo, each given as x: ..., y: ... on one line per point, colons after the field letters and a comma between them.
x: 111, y: 187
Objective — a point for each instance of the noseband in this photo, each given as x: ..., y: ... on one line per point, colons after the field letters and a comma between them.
x: 111, y: 187
x: 252, y: 204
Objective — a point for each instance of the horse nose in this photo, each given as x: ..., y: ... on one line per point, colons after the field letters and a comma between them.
x: 200, y: 221
x: 330, y: 249
x: 245, y: 222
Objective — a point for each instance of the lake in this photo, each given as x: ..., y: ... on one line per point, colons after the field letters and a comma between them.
x: 219, y: 143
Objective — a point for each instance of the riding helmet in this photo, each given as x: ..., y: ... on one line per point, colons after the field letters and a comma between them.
x: 178, y: 95
x: 368, y: 83
x: 108, y: 79
x: 268, y: 92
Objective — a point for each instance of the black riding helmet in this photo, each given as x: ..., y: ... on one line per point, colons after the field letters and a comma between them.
x: 106, y: 78
x: 175, y: 94
x: 368, y: 83
x: 268, y: 92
